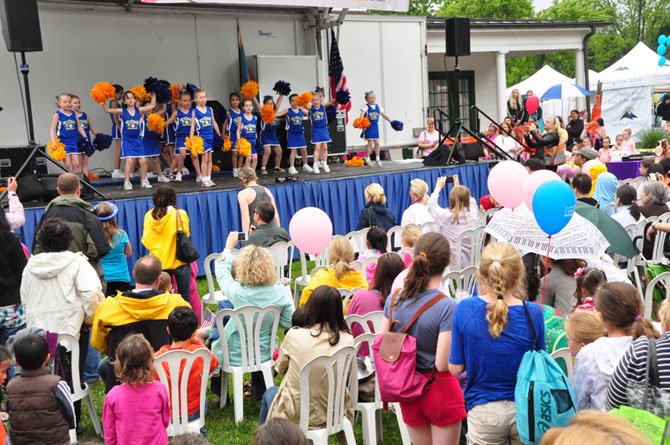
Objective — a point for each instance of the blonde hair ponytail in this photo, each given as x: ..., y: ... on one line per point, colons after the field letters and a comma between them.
x: 375, y: 193
x: 419, y: 188
x: 501, y: 271
x: 340, y: 255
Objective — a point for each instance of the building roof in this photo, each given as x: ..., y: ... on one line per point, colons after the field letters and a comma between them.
x: 434, y: 22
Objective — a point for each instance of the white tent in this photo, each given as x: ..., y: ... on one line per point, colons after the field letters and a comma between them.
x: 540, y: 82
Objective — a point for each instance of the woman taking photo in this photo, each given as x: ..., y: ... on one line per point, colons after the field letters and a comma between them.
x: 435, y: 417
x: 490, y: 337
x: 429, y: 138
x: 546, y: 145
x: 160, y: 236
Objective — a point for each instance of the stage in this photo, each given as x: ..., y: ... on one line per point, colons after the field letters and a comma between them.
x: 214, y: 212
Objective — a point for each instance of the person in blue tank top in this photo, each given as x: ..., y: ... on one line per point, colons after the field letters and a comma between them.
x: 182, y: 118
x: 88, y: 128
x: 373, y: 112
x: 247, y: 126
x: 65, y: 126
x: 232, y: 115
x: 295, y: 134
x: 132, y: 129
x: 269, y: 139
x: 151, y: 144
x: 116, y: 130
x: 203, y: 121
x: 320, y: 134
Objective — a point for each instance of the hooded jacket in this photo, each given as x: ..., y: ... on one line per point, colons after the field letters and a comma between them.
x: 88, y: 236
x: 376, y: 215
x: 594, y: 366
x: 160, y: 236
x: 60, y: 291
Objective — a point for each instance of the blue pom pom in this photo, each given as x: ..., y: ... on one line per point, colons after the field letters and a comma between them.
x: 397, y: 125
x: 86, y: 147
x: 163, y: 92
x: 191, y: 89
x: 150, y: 84
x: 217, y: 142
x: 219, y: 114
x: 331, y: 113
x: 282, y: 88
x: 102, y: 141
x: 342, y: 97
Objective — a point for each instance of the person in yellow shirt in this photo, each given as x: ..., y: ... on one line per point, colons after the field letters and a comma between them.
x: 340, y: 275
x: 160, y: 236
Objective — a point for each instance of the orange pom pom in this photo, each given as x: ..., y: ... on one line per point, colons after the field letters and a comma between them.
x: 176, y: 89
x: 227, y: 144
x: 268, y: 113
x: 244, y: 147
x: 197, y: 147
x: 354, y: 162
x: 249, y: 90
x: 140, y: 93
x: 361, y: 122
x: 57, y: 151
x: 102, y: 92
x: 216, y: 168
x: 304, y: 100
x: 155, y: 123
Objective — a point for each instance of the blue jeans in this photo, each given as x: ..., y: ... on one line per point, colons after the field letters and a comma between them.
x: 182, y: 275
x: 266, y: 402
x: 91, y: 366
x: 223, y: 304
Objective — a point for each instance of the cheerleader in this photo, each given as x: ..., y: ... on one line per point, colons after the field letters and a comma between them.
x: 320, y: 134
x: 86, y: 125
x: 116, y: 131
x: 203, y: 120
x: 269, y: 139
x: 295, y: 134
x: 182, y: 117
x: 247, y: 124
x: 232, y: 117
x: 372, y: 111
x: 132, y: 129
x: 152, y: 151
x: 65, y: 126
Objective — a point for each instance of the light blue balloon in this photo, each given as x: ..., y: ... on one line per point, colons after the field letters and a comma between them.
x: 661, y: 49
x: 662, y: 61
x: 553, y: 206
x: 662, y: 39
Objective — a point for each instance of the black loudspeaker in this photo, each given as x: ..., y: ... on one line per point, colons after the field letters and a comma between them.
x: 21, y: 25
x: 11, y: 159
x: 473, y: 152
x: 440, y: 156
x: 44, y: 188
x: 457, y: 31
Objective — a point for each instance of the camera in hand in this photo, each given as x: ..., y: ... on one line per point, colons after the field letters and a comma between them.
x: 242, y: 236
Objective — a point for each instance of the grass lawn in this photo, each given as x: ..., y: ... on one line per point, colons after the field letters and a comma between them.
x: 220, y: 423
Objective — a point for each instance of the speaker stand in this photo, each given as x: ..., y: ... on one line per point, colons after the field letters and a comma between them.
x: 34, y: 148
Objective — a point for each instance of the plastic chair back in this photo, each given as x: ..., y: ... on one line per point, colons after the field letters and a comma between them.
x: 663, y: 278
x: 370, y: 323
x: 282, y: 255
x: 213, y: 296
x: 460, y: 283
x: 471, y: 240
x: 393, y: 236
x: 346, y: 297
x: 564, y: 355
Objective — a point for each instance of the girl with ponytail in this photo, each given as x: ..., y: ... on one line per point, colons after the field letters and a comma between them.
x: 436, y: 416
x: 340, y: 274
x: 620, y: 308
x: 490, y: 336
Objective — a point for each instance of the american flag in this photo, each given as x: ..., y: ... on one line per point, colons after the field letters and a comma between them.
x: 338, y: 81
x: 208, y: 319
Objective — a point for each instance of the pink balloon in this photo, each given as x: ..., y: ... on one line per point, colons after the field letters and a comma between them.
x: 533, y: 181
x: 311, y: 230
x: 506, y: 182
x: 532, y: 104
x: 588, y: 164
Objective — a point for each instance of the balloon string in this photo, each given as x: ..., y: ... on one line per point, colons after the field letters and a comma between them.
x: 546, y: 267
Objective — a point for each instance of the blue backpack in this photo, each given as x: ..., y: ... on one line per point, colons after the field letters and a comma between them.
x: 543, y: 393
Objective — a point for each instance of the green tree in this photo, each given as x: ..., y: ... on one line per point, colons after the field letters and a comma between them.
x: 423, y: 7
x: 492, y: 9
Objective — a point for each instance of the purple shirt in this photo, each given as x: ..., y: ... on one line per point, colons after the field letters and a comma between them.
x: 136, y: 414
x: 362, y: 303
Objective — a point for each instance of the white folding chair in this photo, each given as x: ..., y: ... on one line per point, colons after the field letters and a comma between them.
x: 484, y: 216
x: 370, y: 322
x: 303, y: 279
x: 429, y: 227
x: 472, y: 240
x: 357, y: 239
x: 367, y: 261
x: 338, y: 371
x: 249, y: 320
x: 282, y: 255
x: 564, y: 355
x: 212, y: 296
x: 173, y: 369
x: 460, y: 283
x: 356, y: 265
x: 658, y: 255
x: 346, y: 297
x: 370, y: 411
x: 393, y: 236
x: 637, y: 234
x: 71, y: 344
x: 664, y: 279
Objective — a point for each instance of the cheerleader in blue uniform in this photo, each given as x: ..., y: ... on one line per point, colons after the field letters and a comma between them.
x: 87, y: 126
x: 373, y: 112
x: 132, y: 129
x: 151, y: 144
x: 320, y: 134
x: 247, y: 125
x: 116, y: 131
x: 203, y: 121
x: 182, y: 118
x: 232, y: 117
x: 65, y: 126
x: 269, y: 139
x: 295, y: 134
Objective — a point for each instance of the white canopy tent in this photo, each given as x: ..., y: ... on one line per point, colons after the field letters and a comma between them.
x: 540, y: 82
